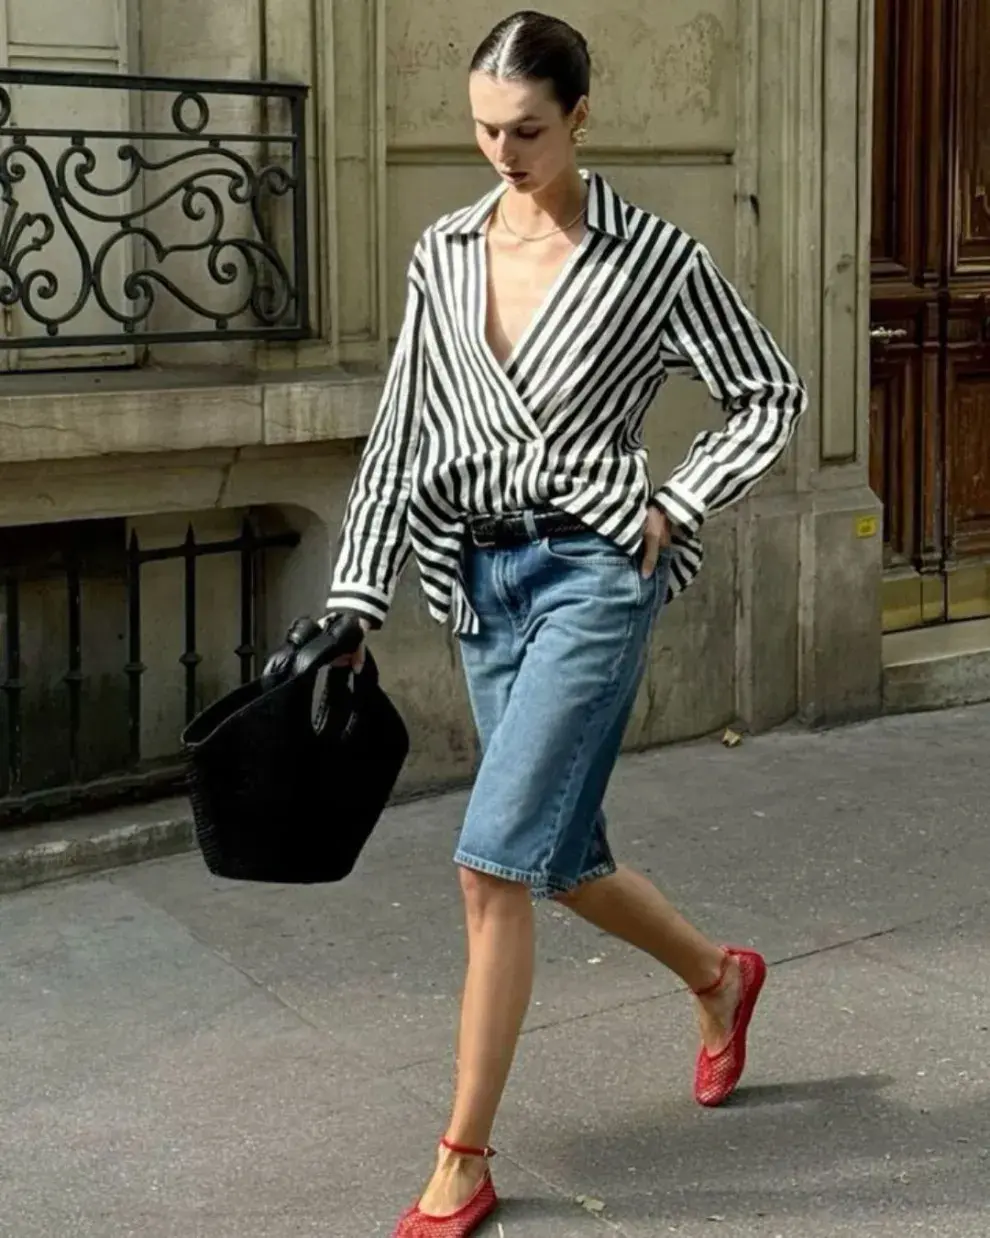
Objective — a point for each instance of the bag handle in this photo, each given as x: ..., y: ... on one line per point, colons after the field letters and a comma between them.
x: 309, y: 647
x: 343, y: 636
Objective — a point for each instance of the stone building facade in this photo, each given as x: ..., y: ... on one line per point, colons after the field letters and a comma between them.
x: 747, y: 122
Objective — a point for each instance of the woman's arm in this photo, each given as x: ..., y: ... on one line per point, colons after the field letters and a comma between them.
x: 374, y: 540
x: 712, y: 334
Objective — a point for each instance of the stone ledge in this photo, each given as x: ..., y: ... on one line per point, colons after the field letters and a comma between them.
x: 34, y: 855
x: 937, y: 668
x: 63, y: 417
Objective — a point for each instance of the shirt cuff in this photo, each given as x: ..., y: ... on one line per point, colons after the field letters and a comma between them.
x: 361, y: 600
x: 683, y: 507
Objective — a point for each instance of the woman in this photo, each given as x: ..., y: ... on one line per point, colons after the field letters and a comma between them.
x: 507, y: 455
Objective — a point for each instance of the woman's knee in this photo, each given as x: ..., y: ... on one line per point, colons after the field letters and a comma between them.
x: 586, y: 892
x: 570, y: 898
x: 485, y: 894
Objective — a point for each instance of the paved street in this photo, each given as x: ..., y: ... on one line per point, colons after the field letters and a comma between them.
x: 189, y: 1058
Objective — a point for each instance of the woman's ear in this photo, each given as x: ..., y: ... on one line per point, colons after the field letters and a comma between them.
x: 579, y: 121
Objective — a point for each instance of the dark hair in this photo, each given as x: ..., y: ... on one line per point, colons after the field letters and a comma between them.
x: 531, y: 46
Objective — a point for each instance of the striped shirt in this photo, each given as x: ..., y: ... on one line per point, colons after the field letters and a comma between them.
x: 560, y: 424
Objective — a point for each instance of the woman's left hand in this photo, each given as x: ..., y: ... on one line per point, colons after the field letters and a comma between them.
x: 656, y: 539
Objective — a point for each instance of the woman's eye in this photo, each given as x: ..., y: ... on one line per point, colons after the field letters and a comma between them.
x: 528, y: 135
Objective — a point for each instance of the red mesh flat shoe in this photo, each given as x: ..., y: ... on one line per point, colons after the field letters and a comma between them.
x: 463, y: 1222
x: 717, y: 1075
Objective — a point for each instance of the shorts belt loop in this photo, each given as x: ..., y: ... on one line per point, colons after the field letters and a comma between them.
x: 529, y: 522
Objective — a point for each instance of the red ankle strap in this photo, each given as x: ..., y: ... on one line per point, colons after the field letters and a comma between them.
x: 717, y: 984
x: 461, y: 1150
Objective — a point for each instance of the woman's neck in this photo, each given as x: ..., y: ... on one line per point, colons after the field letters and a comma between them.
x: 552, y: 207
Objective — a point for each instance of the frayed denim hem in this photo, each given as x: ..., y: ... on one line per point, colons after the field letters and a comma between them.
x: 541, y: 885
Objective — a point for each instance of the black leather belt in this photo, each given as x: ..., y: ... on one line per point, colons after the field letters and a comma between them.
x: 519, y: 528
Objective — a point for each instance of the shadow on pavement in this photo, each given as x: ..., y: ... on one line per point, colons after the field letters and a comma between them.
x: 836, y: 1146
x: 807, y: 1091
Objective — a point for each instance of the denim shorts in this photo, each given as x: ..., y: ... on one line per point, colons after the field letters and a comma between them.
x: 552, y: 677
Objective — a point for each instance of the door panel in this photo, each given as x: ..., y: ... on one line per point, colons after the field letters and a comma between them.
x: 896, y: 249
x: 86, y: 36
x: 895, y: 442
x: 970, y: 235
x: 967, y: 370
x: 905, y: 320
x: 968, y: 458
x: 80, y: 24
x: 930, y: 294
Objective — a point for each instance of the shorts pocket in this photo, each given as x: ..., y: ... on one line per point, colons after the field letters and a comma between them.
x: 586, y: 548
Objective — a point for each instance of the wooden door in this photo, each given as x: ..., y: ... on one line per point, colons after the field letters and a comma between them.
x: 930, y: 321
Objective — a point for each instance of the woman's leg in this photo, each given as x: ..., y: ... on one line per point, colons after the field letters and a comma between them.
x: 552, y: 670
x: 498, y: 916
x: 499, y: 981
x: 628, y: 905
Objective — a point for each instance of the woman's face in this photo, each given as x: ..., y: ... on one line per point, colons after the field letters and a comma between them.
x: 522, y: 130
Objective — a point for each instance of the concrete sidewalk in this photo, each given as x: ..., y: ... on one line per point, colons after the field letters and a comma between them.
x: 189, y: 1058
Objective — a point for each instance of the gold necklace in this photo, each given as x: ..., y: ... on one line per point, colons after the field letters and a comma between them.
x: 542, y: 236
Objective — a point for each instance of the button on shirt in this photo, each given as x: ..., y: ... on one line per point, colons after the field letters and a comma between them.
x: 560, y: 424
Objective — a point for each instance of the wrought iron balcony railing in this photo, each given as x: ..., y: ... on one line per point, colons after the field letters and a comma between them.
x: 140, y: 210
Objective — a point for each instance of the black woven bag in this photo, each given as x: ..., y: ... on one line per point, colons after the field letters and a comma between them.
x: 286, y: 787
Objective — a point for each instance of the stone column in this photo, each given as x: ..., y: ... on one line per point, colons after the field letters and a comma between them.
x: 338, y: 47
x: 811, y: 542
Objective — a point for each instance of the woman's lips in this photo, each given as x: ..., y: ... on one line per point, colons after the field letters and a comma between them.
x: 515, y: 177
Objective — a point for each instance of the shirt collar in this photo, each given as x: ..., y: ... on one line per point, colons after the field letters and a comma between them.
x: 606, y: 211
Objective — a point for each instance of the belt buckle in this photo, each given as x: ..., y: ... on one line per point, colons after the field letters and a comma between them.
x: 505, y: 531
x: 484, y: 532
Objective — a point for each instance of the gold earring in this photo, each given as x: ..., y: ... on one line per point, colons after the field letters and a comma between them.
x: 580, y: 135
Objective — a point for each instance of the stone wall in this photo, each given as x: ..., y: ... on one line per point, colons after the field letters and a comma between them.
x: 730, y: 117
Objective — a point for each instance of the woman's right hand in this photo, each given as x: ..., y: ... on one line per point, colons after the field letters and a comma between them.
x: 656, y: 539
x: 355, y: 660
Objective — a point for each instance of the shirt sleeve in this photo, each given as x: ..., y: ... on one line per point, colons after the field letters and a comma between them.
x: 374, y: 541
x: 711, y: 334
